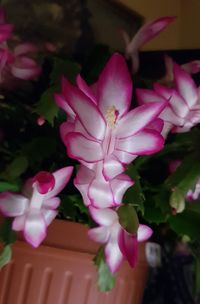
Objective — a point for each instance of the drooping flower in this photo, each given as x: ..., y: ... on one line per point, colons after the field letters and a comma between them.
x: 147, y: 32
x: 119, y: 244
x: 100, y: 129
x: 98, y: 192
x: 35, y: 208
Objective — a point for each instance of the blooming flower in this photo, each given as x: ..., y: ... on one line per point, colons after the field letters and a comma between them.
x: 183, y: 109
x: 119, y: 244
x: 147, y: 32
x: 102, y: 130
x: 35, y: 208
x: 98, y: 192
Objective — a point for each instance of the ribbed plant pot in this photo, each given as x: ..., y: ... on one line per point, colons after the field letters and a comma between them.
x: 61, y: 271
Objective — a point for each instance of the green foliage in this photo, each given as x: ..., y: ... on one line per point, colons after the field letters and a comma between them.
x: 106, y: 280
x: 5, y: 256
x: 134, y: 195
x: 7, y: 235
x: 64, y: 67
x: 186, y: 175
x: 46, y: 107
x: 9, y: 186
x: 128, y: 218
x: 15, y: 168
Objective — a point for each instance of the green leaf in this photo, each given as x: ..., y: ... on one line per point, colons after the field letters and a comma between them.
x: 70, y: 69
x: 46, y: 107
x: 15, y: 168
x: 134, y: 195
x: 39, y: 149
x: 154, y: 214
x: 8, y: 186
x: 186, y: 175
x: 7, y: 235
x: 177, y: 200
x: 5, y: 256
x: 186, y: 223
x: 128, y: 218
x: 106, y: 280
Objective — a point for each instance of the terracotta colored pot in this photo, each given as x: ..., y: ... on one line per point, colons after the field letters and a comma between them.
x: 61, y: 271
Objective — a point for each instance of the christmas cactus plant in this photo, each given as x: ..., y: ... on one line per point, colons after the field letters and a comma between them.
x: 133, y: 151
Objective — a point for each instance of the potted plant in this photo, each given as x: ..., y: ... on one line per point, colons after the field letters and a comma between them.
x: 118, y: 152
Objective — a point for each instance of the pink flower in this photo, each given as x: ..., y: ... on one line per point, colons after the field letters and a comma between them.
x: 18, y: 63
x: 183, y: 102
x: 191, y: 67
x: 101, y: 129
x: 193, y: 195
x: 5, y: 28
x: 35, y: 208
x: 98, y: 192
x: 145, y: 33
x: 119, y: 244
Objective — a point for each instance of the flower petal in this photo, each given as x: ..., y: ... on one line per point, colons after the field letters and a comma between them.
x: 138, y: 119
x: 44, y: 181
x: 143, y: 143
x: 114, y: 86
x: 86, y: 111
x: 82, y: 85
x: 114, y: 257
x: 144, y: 233
x: 65, y: 128
x: 63, y: 104
x: 156, y: 125
x: 112, y: 167
x: 192, y: 67
x: 51, y: 203
x: 145, y: 96
x: 19, y: 222
x: 149, y: 31
x: 186, y: 86
x: 168, y: 115
x: 99, y: 234
x: 81, y: 148
x: 35, y: 228
x: 62, y: 177
x: 25, y: 48
x: 124, y: 157
x: 178, y: 105
x: 49, y: 215
x: 128, y: 245
x: 163, y: 91
x: 104, y: 217
x: 12, y: 204
x: 119, y: 185
x: 25, y: 68
x: 100, y: 194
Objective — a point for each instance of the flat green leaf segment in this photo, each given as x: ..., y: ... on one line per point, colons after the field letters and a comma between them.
x: 106, y: 280
x: 5, y: 256
x: 134, y: 195
x: 128, y: 218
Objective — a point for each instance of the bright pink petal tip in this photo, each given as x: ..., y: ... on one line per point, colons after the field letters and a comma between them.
x: 45, y: 182
x: 144, y: 233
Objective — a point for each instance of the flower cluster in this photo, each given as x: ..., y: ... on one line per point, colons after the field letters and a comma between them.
x: 15, y: 62
x: 104, y: 135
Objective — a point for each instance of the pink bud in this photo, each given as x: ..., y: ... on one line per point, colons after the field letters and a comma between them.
x: 40, y: 120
